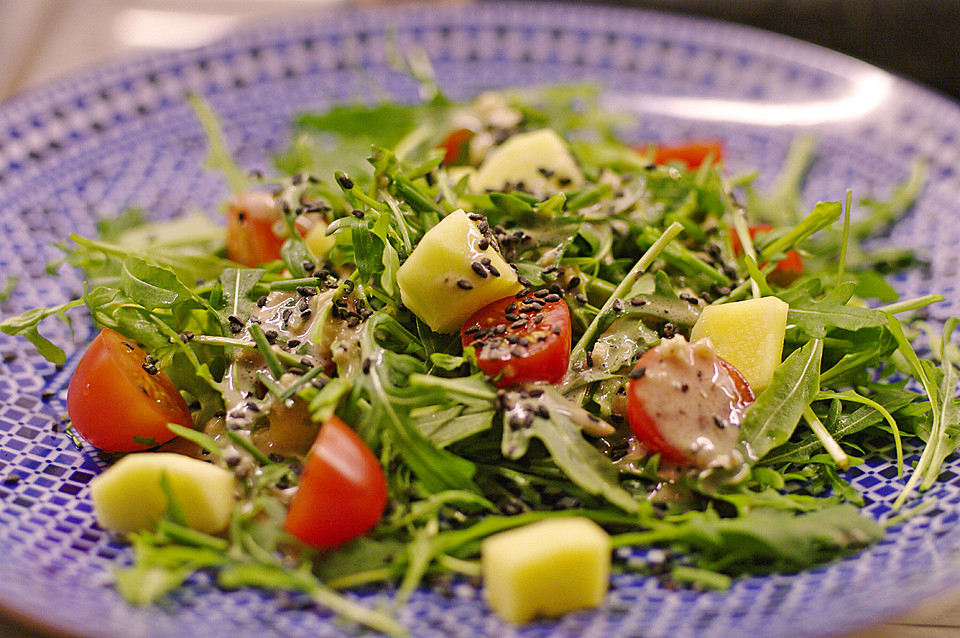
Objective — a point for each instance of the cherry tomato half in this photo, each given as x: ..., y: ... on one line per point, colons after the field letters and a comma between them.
x: 342, y: 492
x: 118, y: 402
x: 686, y: 403
x: 256, y: 229
x: 787, y: 269
x: 456, y: 146
x: 691, y: 154
x: 519, y: 340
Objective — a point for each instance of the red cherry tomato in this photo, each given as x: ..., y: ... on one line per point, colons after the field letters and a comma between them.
x: 787, y: 269
x: 119, y: 402
x: 692, y: 154
x: 255, y: 229
x: 342, y: 492
x: 686, y: 403
x: 519, y: 340
x: 455, y: 146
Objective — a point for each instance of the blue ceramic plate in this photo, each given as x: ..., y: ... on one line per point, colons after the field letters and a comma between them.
x: 122, y: 135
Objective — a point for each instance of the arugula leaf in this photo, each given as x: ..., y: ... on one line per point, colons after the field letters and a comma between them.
x: 771, y: 419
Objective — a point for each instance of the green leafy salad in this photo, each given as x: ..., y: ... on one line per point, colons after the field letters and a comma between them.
x: 442, y: 323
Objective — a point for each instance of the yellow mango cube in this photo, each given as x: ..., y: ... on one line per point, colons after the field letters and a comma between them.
x: 538, y: 162
x: 748, y: 335
x: 128, y: 496
x: 546, y: 568
x: 452, y: 273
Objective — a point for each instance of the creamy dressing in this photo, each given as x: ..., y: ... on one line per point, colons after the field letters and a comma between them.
x: 305, y: 326
x: 694, y: 401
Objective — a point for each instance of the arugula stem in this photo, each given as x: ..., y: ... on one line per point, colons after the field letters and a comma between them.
x: 329, y: 599
x: 183, y: 534
x: 844, y: 242
x: 248, y: 445
x: 230, y: 342
x: 910, y: 305
x: 829, y: 443
x: 465, y: 567
x: 645, y: 261
x: 266, y: 350
x: 293, y: 284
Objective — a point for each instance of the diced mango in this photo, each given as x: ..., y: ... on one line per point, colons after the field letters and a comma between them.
x: 538, y: 162
x: 128, y: 496
x: 318, y: 241
x: 439, y: 281
x: 748, y: 335
x: 546, y: 568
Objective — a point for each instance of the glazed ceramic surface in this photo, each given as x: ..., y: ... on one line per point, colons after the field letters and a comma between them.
x: 123, y: 135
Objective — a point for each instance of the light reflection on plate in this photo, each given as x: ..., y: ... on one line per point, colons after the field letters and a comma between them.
x: 122, y: 136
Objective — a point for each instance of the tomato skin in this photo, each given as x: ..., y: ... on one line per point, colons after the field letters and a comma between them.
x: 546, y: 354
x: 253, y: 220
x: 256, y: 230
x: 787, y: 269
x: 111, y: 397
x: 702, y: 399
x: 691, y: 154
x: 455, y: 146
x: 342, y: 492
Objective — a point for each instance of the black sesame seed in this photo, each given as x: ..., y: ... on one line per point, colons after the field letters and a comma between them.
x: 478, y: 268
x: 483, y: 244
x: 471, y: 329
x: 637, y: 373
x: 262, y: 301
x: 552, y: 298
x: 345, y: 182
x: 617, y: 305
x: 523, y: 293
x: 293, y: 343
x: 573, y: 283
x: 518, y: 324
x: 556, y: 330
x: 186, y: 336
x: 493, y: 270
x: 463, y: 284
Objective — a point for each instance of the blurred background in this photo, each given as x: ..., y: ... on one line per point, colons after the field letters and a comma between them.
x: 43, y: 39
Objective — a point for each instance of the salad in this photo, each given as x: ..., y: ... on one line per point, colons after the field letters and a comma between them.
x: 440, y: 323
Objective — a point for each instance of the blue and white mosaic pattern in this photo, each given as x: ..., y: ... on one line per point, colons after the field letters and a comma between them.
x: 122, y: 135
